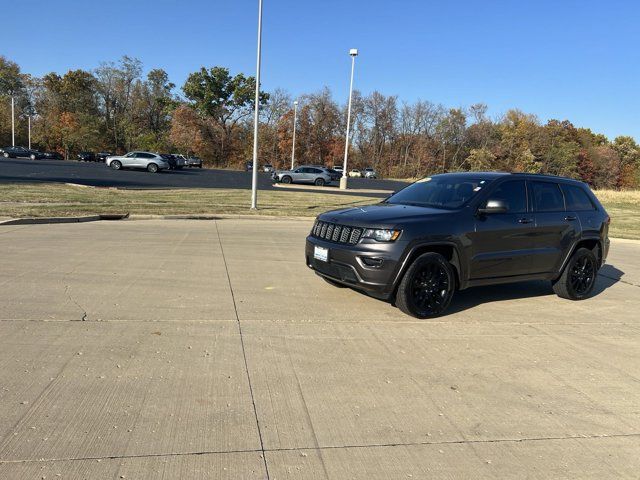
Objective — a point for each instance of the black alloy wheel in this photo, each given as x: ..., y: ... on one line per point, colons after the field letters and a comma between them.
x: 428, y: 286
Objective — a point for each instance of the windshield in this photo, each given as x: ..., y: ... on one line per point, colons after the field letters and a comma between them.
x: 441, y: 191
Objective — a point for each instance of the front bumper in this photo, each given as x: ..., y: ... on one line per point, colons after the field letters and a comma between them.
x: 371, y: 267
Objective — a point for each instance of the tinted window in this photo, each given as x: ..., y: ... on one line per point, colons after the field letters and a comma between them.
x: 315, y: 170
x: 514, y: 194
x: 547, y: 197
x: 440, y: 191
x: 576, y: 198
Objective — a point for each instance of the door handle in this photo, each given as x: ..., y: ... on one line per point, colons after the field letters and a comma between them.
x: 570, y: 218
x: 525, y: 220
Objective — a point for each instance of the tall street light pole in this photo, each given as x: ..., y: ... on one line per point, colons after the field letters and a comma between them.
x: 13, y: 123
x: 343, y: 180
x: 254, y: 180
x: 29, y: 118
x: 295, y: 122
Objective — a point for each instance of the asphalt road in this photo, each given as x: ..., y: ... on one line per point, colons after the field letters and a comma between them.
x: 98, y: 175
x: 208, y: 350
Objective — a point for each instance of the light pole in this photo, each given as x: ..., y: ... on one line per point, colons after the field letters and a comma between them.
x: 29, y: 119
x: 254, y: 179
x: 295, y: 121
x: 13, y: 124
x: 343, y: 180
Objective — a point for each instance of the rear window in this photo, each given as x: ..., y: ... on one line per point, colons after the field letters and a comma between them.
x: 576, y: 198
x: 547, y: 197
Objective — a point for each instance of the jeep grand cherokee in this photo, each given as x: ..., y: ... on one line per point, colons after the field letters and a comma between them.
x: 460, y: 230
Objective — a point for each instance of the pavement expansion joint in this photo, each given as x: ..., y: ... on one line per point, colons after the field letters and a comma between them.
x: 244, y: 353
x: 330, y: 447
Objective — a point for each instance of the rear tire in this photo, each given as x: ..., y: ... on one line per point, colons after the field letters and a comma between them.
x: 5, y: 155
x: 286, y: 179
x: 319, y: 182
x: 578, y: 277
x: 116, y: 165
x: 152, y: 168
x: 33, y: 157
x: 427, y: 287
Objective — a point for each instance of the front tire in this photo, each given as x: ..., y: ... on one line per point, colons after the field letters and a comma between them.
x: 5, y: 154
x: 578, y: 277
x: 286, y: 179
x: 427, y: 287
x: 33, y: 157
x: 116, y: 165
x: 152, y: 168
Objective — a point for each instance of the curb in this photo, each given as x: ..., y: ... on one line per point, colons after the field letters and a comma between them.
x: 49, y: 220
x: 362, y: 191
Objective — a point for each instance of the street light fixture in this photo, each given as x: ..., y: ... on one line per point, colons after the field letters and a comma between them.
x: 343, y: 180
x: 295, y: 121
x: 254, y: 176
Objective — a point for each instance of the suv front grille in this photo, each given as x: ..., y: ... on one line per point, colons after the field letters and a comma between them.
x: 333, y: 232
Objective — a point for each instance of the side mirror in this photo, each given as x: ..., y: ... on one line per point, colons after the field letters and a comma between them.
x: 494, y: 206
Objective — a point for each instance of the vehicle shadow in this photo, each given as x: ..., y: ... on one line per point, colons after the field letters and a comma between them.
x: 472, y: 297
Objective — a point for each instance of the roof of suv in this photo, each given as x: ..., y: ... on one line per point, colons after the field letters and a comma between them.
x: 494, y: 175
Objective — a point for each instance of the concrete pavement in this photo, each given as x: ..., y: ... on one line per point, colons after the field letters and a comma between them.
x: 206, y: 349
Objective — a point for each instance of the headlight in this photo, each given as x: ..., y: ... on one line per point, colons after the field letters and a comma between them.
x: 382, y: 235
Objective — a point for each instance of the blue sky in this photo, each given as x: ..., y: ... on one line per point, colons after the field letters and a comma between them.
x: 564, y: 59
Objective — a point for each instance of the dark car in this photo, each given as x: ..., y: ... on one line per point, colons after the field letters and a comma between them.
x: 87, y: 157
x: 175, y: 162
x: 454, y: 231
x: 51, y: 156
x: 18, y: 152
x: 102, y: 156
x: 248, y: 166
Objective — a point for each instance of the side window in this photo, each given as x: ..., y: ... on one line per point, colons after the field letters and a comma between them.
x: 514, y: 194
x: 576, y: 198
x: 547, y: 197
x: 315, y: 170
x: 145, y: 155
x: 298, y: 170
x: 130, y: 155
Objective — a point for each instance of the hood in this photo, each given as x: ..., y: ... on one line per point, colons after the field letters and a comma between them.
x: 381, y: 215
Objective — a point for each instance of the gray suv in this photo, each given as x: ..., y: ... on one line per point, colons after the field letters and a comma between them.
x: 152, y: 162
x: 454, y: 231
x: 319, y: 176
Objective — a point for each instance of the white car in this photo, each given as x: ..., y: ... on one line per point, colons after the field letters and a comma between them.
x: 152, y: 162
x: 355, y: 173
x: 268, y: 168
x: 338, y: 168
x: 370, y: 173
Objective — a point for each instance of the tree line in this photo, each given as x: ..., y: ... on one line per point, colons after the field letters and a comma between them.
x: 115, y: 108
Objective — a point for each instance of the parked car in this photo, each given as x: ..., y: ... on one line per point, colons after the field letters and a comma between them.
x: 194, y: 162
x: 152, y: 162
x: 50, y: 156
x: 268, y: 168
x: 370, y: 173
x: 335, y: 175
x: 248, y: 166
x: 87, y: 157
x: 319, y: 176
x: 17, y: 152
x: 102, y: 156
x: 338, y: 168
x: 175, y: 162
x: 454, y: 231
x: 355, y: 173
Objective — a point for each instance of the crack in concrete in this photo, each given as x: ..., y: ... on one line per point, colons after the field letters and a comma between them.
x: 73, y: 300
x: 329, y: 447
x: 619, y: 280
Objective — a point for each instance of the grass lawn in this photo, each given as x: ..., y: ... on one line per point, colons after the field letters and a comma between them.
x: 56, y: 200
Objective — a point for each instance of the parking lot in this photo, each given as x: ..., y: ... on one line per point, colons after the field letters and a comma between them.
x: 206, y: 349
x: 99, y: 175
